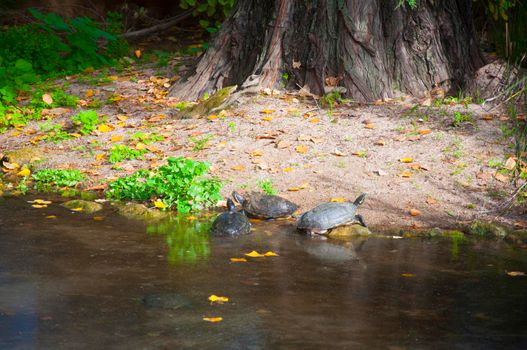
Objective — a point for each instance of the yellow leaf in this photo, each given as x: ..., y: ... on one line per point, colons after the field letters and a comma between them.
x: 40, y: 201
x: 287, y: 170
x: 238, y: 260
x: 47, y: 99
x: 39, y: 206
x: 159, y: 204
x: 191, y: 218
x: 113, y: 77
x: 238, y: 167
x: 213, y: 319
x: 338, y: 200
x: 100, y: 156
x: 256, y: 153
x: 212, y: 117
x: 15, y: 134
x: 140, y: 146
x: 314, y: 120
x: 405, y: 174
x: 500, y: 177
x: 216, y: 299
x: 74, y: 134
x: 267, y: 111
x: 408, y: 274
x: 515, y: 273
x: 78, y: 209
x: 51, y: 217
x: 138, y: 53
x: 24, y: 172
x: 116, y: 138
x: 10, y: 166
x: 294, y: 189
x: 267, y: 119
x: 271, y: 254
x: 369, y: 126
x: 302, y: 149
x: 98, y: 218
x: 406, y: 160
x: 254, y: 254
x: 122, y: 118
x: 105, y: 128
x: 89, y: 93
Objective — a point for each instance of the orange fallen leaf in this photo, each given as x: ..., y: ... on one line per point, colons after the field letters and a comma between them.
x: 425, y: 131
x: 238, y: 167
x: 515, y: 273
x: 500, y: 177
x: 314, y: 120
x: 338, y: 200
x: 369, y: 126
x: 213, y: 319
x: 138, y: 53
x: 47, y: 99
x: 267, y: 111
x: 405, y: 174
x: 415, y: 212
x: 406, y: 160
x: 238, y: 260
x: 89, y: 93
x: 380, y: 142
x: 431, y: 201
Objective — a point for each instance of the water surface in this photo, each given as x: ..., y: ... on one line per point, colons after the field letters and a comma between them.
x: 77, y: 283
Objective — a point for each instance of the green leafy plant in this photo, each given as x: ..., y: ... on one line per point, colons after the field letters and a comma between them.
x: 462, y: 118
x: 209, y: 12
x: 52, y: 179
x: 147, y: 138
x: 179, y: 184
x: 54, y: 132
x: 118, y: 153
x: 87, y: 121
x: 201, y: 143
x: 267, y: 187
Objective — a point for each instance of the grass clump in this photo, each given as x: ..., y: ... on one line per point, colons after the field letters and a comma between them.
x: 180, y: 184
x: 118, y: 153
x: 267, y: 187
x: 87, y: 121
x: 52, y: 179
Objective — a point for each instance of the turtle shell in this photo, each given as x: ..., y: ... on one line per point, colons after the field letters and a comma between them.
x: 266, y: 206
x: 327, y: 216
x: 231, y: 223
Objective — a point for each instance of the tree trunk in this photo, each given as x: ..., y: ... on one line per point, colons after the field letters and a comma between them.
x: 373, y: 48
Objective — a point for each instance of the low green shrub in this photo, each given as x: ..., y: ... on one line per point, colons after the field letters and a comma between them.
x: 180, y: 184
x: 52, y: 179
x: 118, y: 153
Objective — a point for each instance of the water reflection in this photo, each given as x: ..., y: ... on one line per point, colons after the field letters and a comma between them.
x: 187, y: 238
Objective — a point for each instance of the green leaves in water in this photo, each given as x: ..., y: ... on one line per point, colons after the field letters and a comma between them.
x: 187, y: 238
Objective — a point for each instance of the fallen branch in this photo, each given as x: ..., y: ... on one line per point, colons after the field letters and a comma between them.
x: 167, y: 24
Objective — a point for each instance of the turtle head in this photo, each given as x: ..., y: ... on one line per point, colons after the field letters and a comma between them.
x: 238, y: 197
x: 230, y: 205
x: 360, y: 199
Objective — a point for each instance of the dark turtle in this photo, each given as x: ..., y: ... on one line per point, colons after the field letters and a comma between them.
x: 330, y: 215
x: 265, y: 206
x: 231, y: 223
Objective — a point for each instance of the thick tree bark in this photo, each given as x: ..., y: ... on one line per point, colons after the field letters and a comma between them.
x: 374, y: 48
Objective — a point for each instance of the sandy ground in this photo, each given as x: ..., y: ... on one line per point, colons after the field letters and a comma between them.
x: 310, y: 154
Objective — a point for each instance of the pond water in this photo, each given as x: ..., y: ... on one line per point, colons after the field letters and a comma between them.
x: 75, y: 282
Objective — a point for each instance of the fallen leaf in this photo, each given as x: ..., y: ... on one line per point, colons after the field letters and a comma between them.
x: 40, y: 201
x: 380, y: 172
x: 338, y: 200
x: 283, y: 144
x: 408, y: 274
x: 510, y: 164
x: 256, y: 153
x: 339, y: 153
x: 487, y: 117
x: 238, y: 167
x: 39, y: 206
x: 415, y: 212
x: 98, y: 218
x: 515, y: 273
x: 51, y: 217
x: 406, y: 160
x: 296, y: 64
x: 105, y: 128
x: 78, y: 209
x: 267, y: 119
x: 431, y: 201
x: 314, y: 120
x: 10, y: 166
x: 425, y: 131
x: 271, y: 254
x: 212, y: 117
x: 294, y: 189
x: 89, y: 93
x: 369, y: 126
x: 287, y: 170
x: 500, y: 177
x: 238, y: 260
x: 159, y: 204
x: 254, y: 254
x: 140, y: 146
x: 267, y: 111
x: 216, y: 299
x: 116, y: 138
x: 213, y: 319
x: 122, y: 118
x: 302, y: 149
x: 380, y: 142
x: 47, y: 99
x: 100, y: 156
x: 138, y: 53
x: 24, y: 172
x: 520, y: 224
x: 405, y: 174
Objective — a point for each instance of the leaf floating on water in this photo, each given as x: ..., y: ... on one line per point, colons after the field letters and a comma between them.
x: 408, y: 274
x: 515, y: 273
x: 98, y: 218
x: 39, y: 206
x: 213, y: 319
x: 51, y: 217
x: 271, y: 254
x: 217, y: 299
x: 238, y: 260
x: 254, y: 254
x: 40, y: 201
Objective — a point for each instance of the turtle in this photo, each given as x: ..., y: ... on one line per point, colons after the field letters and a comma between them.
x: 231, y: 222
x: 330, y: 215
x: 265, y: 206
